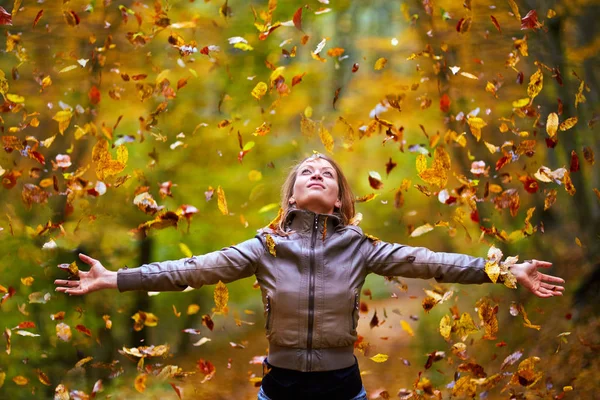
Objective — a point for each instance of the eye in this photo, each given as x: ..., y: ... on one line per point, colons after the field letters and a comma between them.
x: 305, y: 170
x: 328, y: 173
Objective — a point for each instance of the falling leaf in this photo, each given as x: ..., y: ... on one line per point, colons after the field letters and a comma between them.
x: 445, y: 103
x: 64, y: 119
x: 588, y: 155
x: 530, y: 21
x: 407, y: 328
x: 567, y: 124
x: 208, y: 322
x: 142, y: 319
x: 221, y: 296
x: 536, y: 82
x: 438, y: 174
x: 19, y: 379
x: 63, y: 331
x: 552, y: 124
x: 496, y: 24
x: 380, y: 63
x: 476, y: 123
x: 463, y: 25
x: 298, y: 18
x: 421, y: 230
x: 379, y: 358
x: 446, y: 325
x: 259, y: 90
x: 326, y: 138
x: 84, y: 330
x: 140, y: 382
x: 221, y: 201
x: 5, y: 17
x: 465, y: 326
x: 465, y: 386
x: 526, y: 374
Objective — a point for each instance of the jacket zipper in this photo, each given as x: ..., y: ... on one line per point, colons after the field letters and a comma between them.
x: 311, y: 295
x: 268, y: 324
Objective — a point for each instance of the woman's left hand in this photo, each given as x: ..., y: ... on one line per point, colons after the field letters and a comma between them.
x: 541, y: 285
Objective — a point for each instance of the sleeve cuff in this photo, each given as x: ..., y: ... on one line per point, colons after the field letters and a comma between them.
x: 129, y: 279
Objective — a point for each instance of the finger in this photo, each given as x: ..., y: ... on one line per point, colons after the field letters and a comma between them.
x: 544, y: 290
x: 553, y: 279
x: 552, y: 287
x: 66, y: 283
x: 87, y: 259
x: 543, y: 264
x: 75, y: 292
x: 543, y: 294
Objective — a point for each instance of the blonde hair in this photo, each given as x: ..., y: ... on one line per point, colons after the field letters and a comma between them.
x: 345, y: 212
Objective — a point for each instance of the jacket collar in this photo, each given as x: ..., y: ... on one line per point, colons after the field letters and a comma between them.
x: 303, y: 221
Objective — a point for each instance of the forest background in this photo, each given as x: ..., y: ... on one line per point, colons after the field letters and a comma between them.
x: 139, y: 131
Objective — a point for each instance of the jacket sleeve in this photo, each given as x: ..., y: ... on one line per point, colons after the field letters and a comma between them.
x: 393, y: 259
x: 227, y: 265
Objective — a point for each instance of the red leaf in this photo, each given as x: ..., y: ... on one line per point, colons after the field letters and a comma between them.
x: 208, y: 322
x: 574, y: 162
x: 550, y: 143
x: 84, y: 330
x: 355, y: 67
x: 26, y: 325
x: 298, y: 19
x: 37, y: 18
x: 502, y: 162
x: 94, y: 95
x: 445, y: 103
x: 5, y: 17
x: 496, y: 24
x: 530, y: 21
x: 177, y: 389
x: 474, y: 216
x: 206, y: 367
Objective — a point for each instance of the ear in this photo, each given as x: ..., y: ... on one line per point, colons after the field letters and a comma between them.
x: 338, y: 203
x: 292, y: 200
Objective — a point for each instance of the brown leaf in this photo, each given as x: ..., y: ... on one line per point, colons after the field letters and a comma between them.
x: 496, y: 24
x: 84, y: 330
x: 208, y: 322
x: 463, y: 25
x: 298, y: 18
x: 588, y: 155
x: 574, y: 167
x: 37, y: 18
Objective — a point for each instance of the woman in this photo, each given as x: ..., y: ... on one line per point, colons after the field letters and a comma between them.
x: 311, y: 265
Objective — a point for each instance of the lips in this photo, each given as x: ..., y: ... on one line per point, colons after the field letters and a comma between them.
x: 316, y: 184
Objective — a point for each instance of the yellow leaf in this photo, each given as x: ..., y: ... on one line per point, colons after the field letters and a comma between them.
x: 243, y: 46
x: 569, y: 187
x: 446, y: 326
x: 476, y: 123
x: 568, y: 124
x: 15, y: 98
x: 221, y: 296
x: 2, y: 378
x: 515, y: 9
x: 271, y: 245
x: 406, y: 327
x: 259, y: 90
x: 465, y: 326
x: 20, y: 380
x: 140, y: 382
x: 68, y: 68
x: 536, y: 82
x: 221, y: 201
x: 193, y: 309
x: 521, y: 102
x: 326, y: 138
x: 379, y: 358
x: 465, y: 386
x: 185, y: 250
x: 380, y: 64
x: 64, y: 119
x: 28, y: 281
x: 421, y: 230
x: 552, y: 124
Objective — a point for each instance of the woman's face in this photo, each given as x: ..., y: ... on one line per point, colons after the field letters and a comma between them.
x: 316, y: 188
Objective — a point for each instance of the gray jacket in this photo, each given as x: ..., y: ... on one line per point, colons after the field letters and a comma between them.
x: 311, y: 286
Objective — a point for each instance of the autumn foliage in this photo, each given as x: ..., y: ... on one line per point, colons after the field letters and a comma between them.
x: 136, y: 125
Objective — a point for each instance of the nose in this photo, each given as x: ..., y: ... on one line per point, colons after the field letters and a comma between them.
x: 316, y: 175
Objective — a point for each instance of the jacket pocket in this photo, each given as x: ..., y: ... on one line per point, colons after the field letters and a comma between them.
x: 354, y: 311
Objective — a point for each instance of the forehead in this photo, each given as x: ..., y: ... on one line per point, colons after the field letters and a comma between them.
x: 317, y: 162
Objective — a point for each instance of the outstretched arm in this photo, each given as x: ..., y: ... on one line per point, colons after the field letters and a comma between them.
x: 393, y: 259
x: 228, y: 264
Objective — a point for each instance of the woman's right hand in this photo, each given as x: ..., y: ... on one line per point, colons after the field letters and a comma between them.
x: 97, y: 278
